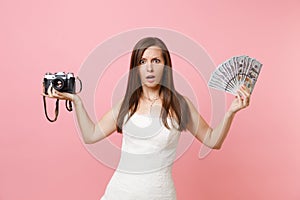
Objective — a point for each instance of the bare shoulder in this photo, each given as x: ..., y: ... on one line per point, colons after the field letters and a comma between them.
x: 188, y: 101
x: 186, y: 98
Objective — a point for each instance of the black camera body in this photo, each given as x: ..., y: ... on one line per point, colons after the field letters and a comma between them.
x: 61, y: 81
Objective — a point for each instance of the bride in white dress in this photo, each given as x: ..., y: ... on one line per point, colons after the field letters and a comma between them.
x: 150, y: 117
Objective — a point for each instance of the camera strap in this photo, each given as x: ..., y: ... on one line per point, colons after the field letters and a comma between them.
x: 56, y: 109
x: 69, y: 108
x: 80, y: 85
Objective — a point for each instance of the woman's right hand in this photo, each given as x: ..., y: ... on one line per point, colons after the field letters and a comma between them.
x: 52, y: 93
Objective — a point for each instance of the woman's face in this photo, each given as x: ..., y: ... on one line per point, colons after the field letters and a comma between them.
x: 151, y: 67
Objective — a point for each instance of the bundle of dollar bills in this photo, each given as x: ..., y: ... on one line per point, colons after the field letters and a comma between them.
x: 230, y: 75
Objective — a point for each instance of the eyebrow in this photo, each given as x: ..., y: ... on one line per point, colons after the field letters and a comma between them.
x: 156, y: 57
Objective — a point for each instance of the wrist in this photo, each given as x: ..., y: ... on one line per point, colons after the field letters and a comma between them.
x: 230, y: 113
x: 76, y: 100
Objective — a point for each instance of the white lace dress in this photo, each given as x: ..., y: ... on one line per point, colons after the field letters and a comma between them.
x: 144, y: 170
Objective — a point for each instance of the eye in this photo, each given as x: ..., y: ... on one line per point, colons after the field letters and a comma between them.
x: 156, y: 61
x: 142, y: 62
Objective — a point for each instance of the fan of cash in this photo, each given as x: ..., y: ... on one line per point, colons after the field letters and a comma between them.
x: 235, y: 72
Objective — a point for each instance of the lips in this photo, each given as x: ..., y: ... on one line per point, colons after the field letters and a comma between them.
x: 150, y: 78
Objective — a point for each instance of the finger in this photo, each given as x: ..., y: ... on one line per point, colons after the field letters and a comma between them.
x: 239, y: 98
x: 49, y: 90
x: 45, y: 95
x: 53, y: 92
x: 246, y: 89
x: 59, y: 95
x: 56, y: 94
x: 243, y: 90
x: 64, y: 95
x: 245, y: 99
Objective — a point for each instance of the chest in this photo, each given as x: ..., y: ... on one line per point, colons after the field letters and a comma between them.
x: 147, y: 107
x: 144, y: 134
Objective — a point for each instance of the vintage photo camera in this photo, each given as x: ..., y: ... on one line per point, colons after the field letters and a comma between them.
x: 61, y: 81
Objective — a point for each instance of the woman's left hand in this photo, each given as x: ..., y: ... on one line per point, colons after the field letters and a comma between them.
x: 241, y: 101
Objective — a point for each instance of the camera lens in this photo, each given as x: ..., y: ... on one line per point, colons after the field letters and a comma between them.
x: 58, y: 83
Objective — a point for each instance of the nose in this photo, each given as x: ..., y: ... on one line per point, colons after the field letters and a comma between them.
x: 149, y: 67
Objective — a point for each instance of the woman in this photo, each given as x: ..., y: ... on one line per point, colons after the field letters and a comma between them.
x: 150, y: 116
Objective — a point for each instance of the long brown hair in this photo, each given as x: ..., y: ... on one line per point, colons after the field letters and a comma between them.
x: 173, y: 103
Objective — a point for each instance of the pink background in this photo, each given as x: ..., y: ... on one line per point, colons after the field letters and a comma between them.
x: 39, y: 160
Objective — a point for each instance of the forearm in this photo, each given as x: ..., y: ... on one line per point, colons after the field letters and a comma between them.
x: 86, y: 125
x: 215, y: 137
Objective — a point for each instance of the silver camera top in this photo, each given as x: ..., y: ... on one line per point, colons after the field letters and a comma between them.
x: 50, y: 75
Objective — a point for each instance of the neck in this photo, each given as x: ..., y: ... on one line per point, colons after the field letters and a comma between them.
x: 151, y: 93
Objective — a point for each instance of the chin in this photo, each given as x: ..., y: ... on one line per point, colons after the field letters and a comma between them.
x: 151, y: 85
